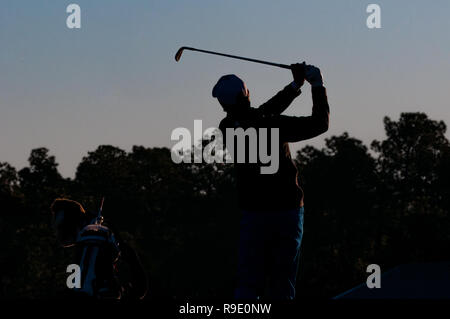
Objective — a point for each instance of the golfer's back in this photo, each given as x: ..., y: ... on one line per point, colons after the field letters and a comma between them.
x: 267, y: 192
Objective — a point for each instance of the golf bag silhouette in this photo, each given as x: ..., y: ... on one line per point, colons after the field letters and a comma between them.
x: 109, y: 267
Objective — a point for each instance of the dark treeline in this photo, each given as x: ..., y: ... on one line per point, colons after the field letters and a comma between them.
x: 385, y: 205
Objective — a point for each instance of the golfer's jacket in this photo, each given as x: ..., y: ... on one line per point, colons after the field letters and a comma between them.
x: 279, y: 191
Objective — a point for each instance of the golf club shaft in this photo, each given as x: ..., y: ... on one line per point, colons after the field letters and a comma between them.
x: 284, y: 66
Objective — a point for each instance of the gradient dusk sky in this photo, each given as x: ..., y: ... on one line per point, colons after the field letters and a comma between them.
x: 115, y: 80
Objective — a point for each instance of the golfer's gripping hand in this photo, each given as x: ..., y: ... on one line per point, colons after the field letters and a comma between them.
x: 313, y: 76
x: 298, y: 72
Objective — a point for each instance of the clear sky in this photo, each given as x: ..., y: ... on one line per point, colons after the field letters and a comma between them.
x: 115, y: 80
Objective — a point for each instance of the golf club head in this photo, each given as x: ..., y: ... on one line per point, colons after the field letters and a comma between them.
x: 179, y: 53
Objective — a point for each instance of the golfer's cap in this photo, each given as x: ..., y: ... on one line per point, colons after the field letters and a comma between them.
x: 227, y: 89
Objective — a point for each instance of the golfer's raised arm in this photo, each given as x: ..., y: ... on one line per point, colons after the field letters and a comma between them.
x: 294, y: 129
x: 280, y: 102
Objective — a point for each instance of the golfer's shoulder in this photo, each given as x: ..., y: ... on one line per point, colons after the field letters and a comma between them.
x: 224, y: 123
x: 227, y: 123
x: 231, y: 122
x: 278, y: 121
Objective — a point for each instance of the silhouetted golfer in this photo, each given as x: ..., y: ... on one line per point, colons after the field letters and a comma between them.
x: 272, y: 205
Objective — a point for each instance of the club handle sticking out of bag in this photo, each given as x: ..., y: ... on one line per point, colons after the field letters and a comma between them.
x: 180, y: 52
x: 99, y: 219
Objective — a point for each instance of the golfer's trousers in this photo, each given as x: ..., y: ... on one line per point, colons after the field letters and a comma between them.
x: 269, y: 249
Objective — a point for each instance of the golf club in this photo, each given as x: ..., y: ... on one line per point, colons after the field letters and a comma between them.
x: 180, y: 52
